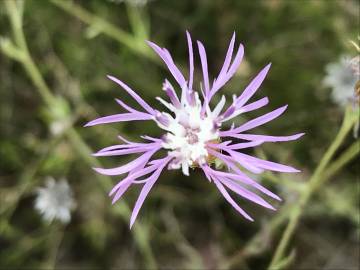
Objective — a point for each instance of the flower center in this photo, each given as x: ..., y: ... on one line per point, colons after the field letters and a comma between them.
x: 192, y: 135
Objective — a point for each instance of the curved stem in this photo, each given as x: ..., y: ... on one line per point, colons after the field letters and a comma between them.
x: 315, y: 180
x: 141, y: 237
x: 105, y: 27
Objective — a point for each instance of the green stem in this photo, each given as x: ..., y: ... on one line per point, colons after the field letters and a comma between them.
x: 348, y: 122
x: 141, y: 237
x: 104, y: 26
x: 350, y: 153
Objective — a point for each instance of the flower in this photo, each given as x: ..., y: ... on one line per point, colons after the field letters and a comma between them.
x: 193, y: 134
x: 55, y: 201
x: 341, y: 77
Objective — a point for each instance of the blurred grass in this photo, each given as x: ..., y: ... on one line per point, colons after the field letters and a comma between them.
x: 185, y: 222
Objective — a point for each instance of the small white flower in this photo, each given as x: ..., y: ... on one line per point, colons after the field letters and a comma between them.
x: 55, y: 201
x: 341, y: 77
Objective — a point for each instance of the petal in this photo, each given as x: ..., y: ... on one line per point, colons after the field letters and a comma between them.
x: 203, y: 60
x: 132, y: 93
x: 265, y: 138
x: 260, y: 120
x: 253, y: 86
x: 166, y: 57
x: 191, y: 60
x: 268, y: 165
x: 223, y: 79
x: 120, y: 152
x: 240, y: 176
x: 255, y: 105
x: 125, y: 106
x: 145, y: 190
x: 231, y: 201
x: 127, y: 167
x: 228, y: 57
x: 122, y: 117
x: 246, y: 193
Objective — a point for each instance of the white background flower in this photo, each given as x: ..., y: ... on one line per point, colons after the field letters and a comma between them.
x: 55, y: 201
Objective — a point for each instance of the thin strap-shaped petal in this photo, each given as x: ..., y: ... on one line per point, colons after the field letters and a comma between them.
x: 230, y: 200
x: 247, y: 194
x: 250, y: 166
x: 268, y: 165
x: 226, y: 116
x: 146, y: 189
x: 243, y: 145
x: 238, y: 175
x: 255, y: 105
x: 191, y: 60
x: 260, y: 120
x: 222, y: 80
x: 127, y: 167
x: 265, y: 138
x: 204, y: 65
x: 135, y: 174
x: 228, y: 57
x: 121, y: 189
x: 118, y: 147
x: 128, y: 151
x: 125, y: 106
x: 252, y: 87
x: 132, y: 93
x: 122, y: 117
x: 166, y: 57
x: 219, y: 107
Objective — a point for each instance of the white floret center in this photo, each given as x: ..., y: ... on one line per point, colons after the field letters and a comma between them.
x: 188, y: 134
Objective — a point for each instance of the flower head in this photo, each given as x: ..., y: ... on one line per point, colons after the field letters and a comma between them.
x: 341, y: 77
x: 55, y: 201
x: 193, y: 133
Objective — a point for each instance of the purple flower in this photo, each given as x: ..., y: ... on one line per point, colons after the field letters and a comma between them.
x: 193, y: 134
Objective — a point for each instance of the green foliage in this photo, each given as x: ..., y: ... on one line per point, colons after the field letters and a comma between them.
x: 53, y: 65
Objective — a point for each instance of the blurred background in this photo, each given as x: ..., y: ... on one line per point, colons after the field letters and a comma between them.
x: 54, y: 59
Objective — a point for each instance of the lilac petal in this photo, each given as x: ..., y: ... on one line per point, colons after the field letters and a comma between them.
x: 151, y: 138
x: 121, y: 189
x: 122, y: 117
x: 125, y: 106
x: 228, y: 57
x: 117, y: 147
x: 268, y: 165
x: 191, y: 60
x: 120, y: 152
x: 219, y: 107
x: 222, y: 80
x: 132, y: 93
x: 244, y: 145
x: 166, y: 57
x: 203, y: 60
x: 170, y: 92
x: 260, y: 120
x: 231, y: 201
x: 246, y: 193
x: 146, y: 189
x: 250, y: 166
x: 205, y: 169
x: 255, y: 105
x: 252, y: 87
x: 265, y: 138
x: 127, y: 167
x: 236, y: 63
x: 136, y: 173
x: 240, y: 176
x: 234, y: 111
x: 127, y: 141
